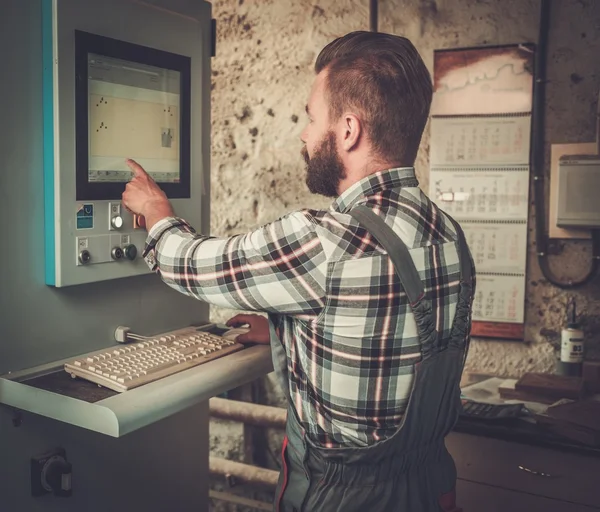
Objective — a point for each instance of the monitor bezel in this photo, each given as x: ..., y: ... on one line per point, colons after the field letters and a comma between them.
x: 86, y: 43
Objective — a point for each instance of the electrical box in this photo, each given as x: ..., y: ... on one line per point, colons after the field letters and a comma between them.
x: 122, y: 79
x: 578, y: 189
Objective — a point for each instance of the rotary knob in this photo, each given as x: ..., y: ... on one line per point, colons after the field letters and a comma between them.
x: 130, y: 252
x: 116, y: 253
x: 117, y: 222
x: 56, y: 476
x: 85, y: 256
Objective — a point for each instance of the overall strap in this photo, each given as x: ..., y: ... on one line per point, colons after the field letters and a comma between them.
x: 466, y: 271
x: 396, y: 249
x: 466, y: 279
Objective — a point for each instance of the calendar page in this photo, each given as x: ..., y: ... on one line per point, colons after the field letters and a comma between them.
x: 479, y: 156
x: 497, y: 248
x: 499, y: 300
x: 480, y: 140
x: 482, y: 193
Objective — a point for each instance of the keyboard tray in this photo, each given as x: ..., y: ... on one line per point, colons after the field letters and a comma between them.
x: 49, y: 391
x: 131, y: 365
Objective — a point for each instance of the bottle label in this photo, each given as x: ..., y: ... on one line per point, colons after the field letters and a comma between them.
x: 571, y: 346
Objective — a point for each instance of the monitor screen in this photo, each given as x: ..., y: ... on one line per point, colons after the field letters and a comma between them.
x: 132, y: 102
x: 133, y: 113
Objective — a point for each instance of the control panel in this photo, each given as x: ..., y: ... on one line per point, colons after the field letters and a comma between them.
x: 123, y: 241
x: 114, y: 91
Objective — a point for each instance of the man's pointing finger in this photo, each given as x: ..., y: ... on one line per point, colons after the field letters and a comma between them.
x: 136, y: 168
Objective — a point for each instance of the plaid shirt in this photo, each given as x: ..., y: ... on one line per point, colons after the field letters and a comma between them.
x: 344, y: 320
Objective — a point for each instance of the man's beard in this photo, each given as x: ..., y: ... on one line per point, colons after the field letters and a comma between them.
x: 325, y: 170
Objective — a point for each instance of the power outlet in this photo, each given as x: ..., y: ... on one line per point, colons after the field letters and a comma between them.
x: 51, y: 473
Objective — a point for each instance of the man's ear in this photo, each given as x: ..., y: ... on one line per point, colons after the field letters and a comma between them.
x: 351, y: 131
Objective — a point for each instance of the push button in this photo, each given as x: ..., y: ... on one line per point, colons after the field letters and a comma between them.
x: 117, y: 222
x: 130, y: 252
x: 139, y: 222
x: 85, y: 256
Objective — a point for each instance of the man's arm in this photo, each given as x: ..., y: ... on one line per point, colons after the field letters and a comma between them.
x: 278, y: 268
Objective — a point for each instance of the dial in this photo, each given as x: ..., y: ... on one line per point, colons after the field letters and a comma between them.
x: 85, y: 256
x: 116, y: 253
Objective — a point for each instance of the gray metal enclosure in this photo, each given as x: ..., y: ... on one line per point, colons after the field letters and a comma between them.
x: 163, y: 465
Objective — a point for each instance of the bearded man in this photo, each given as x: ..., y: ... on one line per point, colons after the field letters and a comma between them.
x: 368, y: 302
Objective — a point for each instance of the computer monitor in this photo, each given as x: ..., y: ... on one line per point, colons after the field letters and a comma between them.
x: 116, y: 88
x: 131, y: 101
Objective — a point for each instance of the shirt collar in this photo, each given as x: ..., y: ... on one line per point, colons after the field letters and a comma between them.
x: 374, y: 183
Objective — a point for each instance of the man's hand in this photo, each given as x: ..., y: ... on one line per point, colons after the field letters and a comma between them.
x: 259, y: 328
x: 144, y: 197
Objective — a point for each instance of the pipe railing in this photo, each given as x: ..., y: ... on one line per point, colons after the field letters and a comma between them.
x: 238, y: 473
x: 248, y: 413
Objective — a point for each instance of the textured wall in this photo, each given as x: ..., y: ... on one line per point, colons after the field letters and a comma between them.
x: 261, y: 80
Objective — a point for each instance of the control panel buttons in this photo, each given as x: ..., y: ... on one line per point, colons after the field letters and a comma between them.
x: 85, y: 256
x: 116, y: 253
x: 117, y: 222
x: 138, y: 221
x: 115, y: 219
x: 130, y: 252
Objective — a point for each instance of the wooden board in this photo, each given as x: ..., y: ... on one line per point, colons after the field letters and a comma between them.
x: 508, y: 331
x: 569, y: 430
x: 551, y: 386
x: 514, y: 394
x: 583, y: 412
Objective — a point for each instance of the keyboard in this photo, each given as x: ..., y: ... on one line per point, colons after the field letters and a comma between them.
x: 134, y: 364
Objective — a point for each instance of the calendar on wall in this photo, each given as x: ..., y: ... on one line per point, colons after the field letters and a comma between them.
x: 479, y: 171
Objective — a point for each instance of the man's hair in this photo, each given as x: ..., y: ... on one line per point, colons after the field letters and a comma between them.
x: 384, y: 80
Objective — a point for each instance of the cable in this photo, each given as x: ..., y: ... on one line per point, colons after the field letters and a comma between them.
x: 123, y: 334
x: 137, y: 337
x: 373, y: 15
x: 598, y: 125
x: 537, y: 163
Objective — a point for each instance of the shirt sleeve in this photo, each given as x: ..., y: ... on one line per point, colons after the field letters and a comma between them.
x: 277, y: 268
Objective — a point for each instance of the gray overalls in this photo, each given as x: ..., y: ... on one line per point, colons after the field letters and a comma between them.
x: 412, y: 470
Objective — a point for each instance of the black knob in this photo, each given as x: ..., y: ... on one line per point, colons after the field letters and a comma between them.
x: 131, y: 252
x: 56, y: 476
x: 85, y: 256
x: 116, y: 253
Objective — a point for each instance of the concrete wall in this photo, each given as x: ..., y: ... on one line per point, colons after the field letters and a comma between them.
x: 158, y: 468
